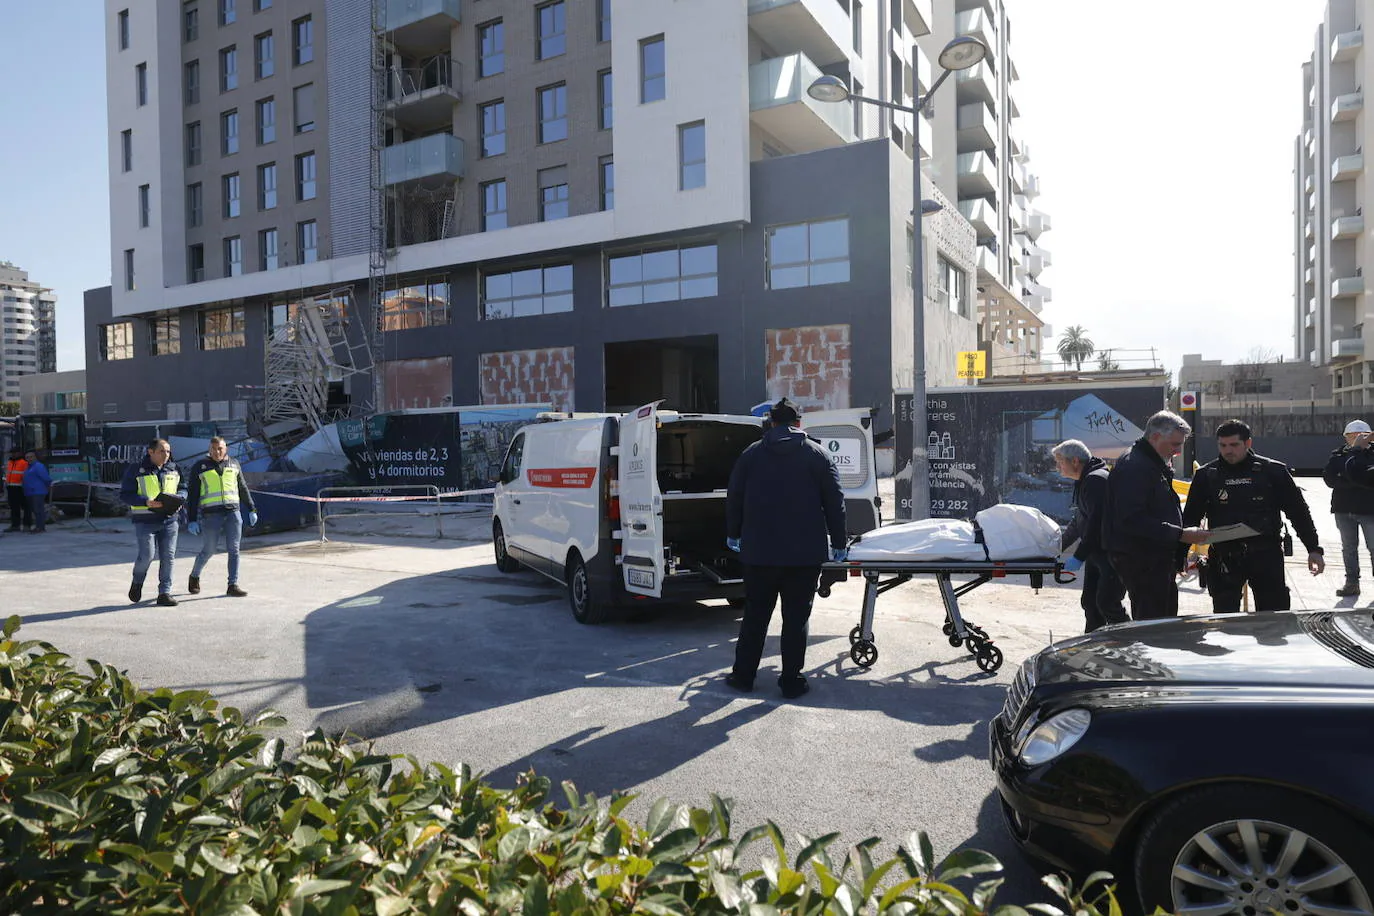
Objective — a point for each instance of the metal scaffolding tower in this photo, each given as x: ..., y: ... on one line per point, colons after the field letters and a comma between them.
x: 378, y: 202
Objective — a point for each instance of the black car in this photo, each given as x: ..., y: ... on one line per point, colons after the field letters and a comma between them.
x: 1214, y: 764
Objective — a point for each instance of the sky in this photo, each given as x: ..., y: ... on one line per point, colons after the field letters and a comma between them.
x: 1169, y: 184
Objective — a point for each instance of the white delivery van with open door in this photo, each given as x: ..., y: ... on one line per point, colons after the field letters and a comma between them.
x: 627, y: 509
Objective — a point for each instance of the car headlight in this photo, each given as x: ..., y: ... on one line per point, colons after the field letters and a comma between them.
x: 1054, y: 736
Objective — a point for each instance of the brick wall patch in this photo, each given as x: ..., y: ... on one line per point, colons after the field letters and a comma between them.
x: 528, y: 377
x: 811, y: 365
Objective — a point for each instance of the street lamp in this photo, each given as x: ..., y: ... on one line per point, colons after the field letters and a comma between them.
x: 960, y: 54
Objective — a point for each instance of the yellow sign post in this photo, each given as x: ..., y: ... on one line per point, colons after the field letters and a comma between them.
x: 972, y: 364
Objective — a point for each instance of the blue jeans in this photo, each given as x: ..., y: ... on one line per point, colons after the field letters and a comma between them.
x: 158, y: 537
x: 1350, y: 526
x: 38, y: 503
x: 213, y: 525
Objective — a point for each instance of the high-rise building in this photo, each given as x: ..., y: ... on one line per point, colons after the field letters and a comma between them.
x: 28, y: 329
x: 594, y: 203
x: 1331, y: 294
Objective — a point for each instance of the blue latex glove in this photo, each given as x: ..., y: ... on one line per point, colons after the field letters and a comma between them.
x: 194, y: 528
x: 1073, y: 564
x: 733, y: 544
x: 252, y: 520
x: 839, y: 554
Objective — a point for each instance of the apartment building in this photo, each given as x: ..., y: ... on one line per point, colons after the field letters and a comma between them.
x: 28, y: 329
x: 1331, y: 247
x: 594, y: 203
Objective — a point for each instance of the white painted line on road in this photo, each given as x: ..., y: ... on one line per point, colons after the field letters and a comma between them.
x: 647, y: 661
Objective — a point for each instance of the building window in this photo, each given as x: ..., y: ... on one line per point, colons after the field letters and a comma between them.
x: 228, y: 68
x: 145, y: 206
x: 553, y: 30
x: 603, y: 20
x: 661, y: 275
x: 553, y: 113
x: 303, y: 101
x: 263, y: 63
x: 951, y: 285
x: 195, y: 205
x: 260, y: 5
x: 193, y: 143
x: 190, y: 21
x: 856, y: 20
x: 493, y: 128
x: 126, y: 150
x: 267, y: 249
x: 494, y: 205
x: 305, y: 176
x: 229, y: 132
x: 222, y: 328
x: 233, y: 256
x: 141, y: 85
x: 266, y: 121
x: 653, y: 75
x: 691, y: 155
x: 491, y: 49
x: 130, y: 282
x: 164, y: 335
x: 117, y: 341
x: 808, y: 254
x: 123, y: 30
x: 606, y: 94
x: 228, y: 12
x: 267, y: 186
x: 422, y: 306
x: 191, y: 88
x: 195, y: 263
x: 302, y: 41
x: 1253, y: 386
x: 553, y: 194
x: 230, y: 186
x: 535, y: 291
x: 607, y: 183
x: 308, y: 241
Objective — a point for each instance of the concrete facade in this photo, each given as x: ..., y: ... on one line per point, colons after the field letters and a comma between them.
x: 1277, y: 384
x: 53, y: 392
x: 28, y: 329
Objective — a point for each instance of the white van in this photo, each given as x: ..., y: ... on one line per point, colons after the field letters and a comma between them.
x: 631, y: 508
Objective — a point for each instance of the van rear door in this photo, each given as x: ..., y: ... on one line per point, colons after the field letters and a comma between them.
x: 847, y: 437
x: 641, y: 503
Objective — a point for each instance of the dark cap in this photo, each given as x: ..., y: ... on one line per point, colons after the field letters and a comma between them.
x: 784, y: 412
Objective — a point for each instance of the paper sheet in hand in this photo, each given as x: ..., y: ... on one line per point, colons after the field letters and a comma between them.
x: 1230, y: 533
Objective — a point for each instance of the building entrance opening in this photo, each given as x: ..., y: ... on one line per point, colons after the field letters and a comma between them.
x: 683, y: 371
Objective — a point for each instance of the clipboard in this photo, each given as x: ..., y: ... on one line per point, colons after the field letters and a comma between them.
x: 1226, y: 533
x: 171, y: 504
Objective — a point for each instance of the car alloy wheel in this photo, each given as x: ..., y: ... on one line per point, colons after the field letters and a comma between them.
x: 504, y: 561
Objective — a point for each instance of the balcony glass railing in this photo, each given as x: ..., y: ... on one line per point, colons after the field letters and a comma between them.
x: 401, y: 13
x: 428, y: 157
x: 784, y: 80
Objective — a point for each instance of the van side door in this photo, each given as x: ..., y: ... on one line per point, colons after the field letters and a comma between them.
x: 847, y: 437
x: 641, y: 503
x: 508, y: 504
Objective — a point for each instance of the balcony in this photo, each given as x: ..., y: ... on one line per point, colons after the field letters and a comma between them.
x: 1347, y: 347
x: 977, y: 24
x: 1308, y: 184
x: 1033, y: 301
x: 779, y: 104
x: 977, y: 127
x: 1347, y: 227
x: 1346, y: 287
x: 925, y: 73
x: 977, y: 175
x: 987, y: 262
x: 1032, y: 185
x: 1347, y: 168
x: 977, y: 84
x: 1035, y: 265
x: 918, y: 16
x: 1307, y: 276
x: 433, y: 159
x: 1347, y: 107
x: 423, y: 97
x: 982, y: 216
x: 820, y: 29
x: 1017, y: 216
x: 422, y: 24
x: 1346, y: 46
x: 1036, y: 223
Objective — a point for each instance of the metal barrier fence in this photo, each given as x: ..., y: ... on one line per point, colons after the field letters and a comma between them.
x: 429, y: 491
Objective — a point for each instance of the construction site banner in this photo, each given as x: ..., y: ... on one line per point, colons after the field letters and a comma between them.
x: 450, y: 449
x: 992, y: 445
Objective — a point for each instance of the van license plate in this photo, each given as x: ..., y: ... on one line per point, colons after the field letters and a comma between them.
x: 641, y: 578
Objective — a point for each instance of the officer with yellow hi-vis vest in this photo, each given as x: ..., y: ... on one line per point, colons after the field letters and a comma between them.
x: 218, y: 498
x: 154, y: 492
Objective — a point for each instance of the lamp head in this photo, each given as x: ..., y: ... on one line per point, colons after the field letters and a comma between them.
x: 828, y: 89
x: 962, y: 52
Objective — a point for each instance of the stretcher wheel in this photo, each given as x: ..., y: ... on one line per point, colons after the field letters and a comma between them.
x: 823, y: 591
x: 948, y: 628
x: 864, y: 653
x: 856, y: 634
x: 988, y: 657
x: 954, y: 639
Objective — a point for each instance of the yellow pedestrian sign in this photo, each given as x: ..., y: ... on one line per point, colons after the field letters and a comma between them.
x: 972, y: 364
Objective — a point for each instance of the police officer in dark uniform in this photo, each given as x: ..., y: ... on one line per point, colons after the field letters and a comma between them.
x: 1242, y: 487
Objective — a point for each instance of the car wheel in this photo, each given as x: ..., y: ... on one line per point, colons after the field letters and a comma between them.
x: 585, y: 608
x: 1253, y: 850
x: 504, y: 561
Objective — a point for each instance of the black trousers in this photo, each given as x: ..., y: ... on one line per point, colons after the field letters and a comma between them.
x: 1259, y: 564
x: 1149, y: 579
x: 1103, y: 592
x: 763, y: 586
x: 19, y: 507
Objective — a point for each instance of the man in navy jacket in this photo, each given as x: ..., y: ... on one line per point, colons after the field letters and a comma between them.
x: 1102, y: 588
x: 785, y: 515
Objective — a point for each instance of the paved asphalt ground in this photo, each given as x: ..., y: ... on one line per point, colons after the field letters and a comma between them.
x: 422, y: 645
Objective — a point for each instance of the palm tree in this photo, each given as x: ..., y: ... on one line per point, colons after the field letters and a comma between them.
x: 1075, y: 346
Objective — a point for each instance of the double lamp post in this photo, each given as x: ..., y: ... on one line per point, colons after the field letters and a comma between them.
x: 959, y: 54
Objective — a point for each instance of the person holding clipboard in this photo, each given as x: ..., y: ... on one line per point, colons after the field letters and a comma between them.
x: 155, y: 493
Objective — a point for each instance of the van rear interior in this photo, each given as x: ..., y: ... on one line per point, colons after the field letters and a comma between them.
x: 695, y: 458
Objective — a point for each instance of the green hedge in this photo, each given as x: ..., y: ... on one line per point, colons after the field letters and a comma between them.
x: 115, y: 800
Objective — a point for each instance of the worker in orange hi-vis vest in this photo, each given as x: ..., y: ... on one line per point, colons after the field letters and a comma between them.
x: 14, y: 489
